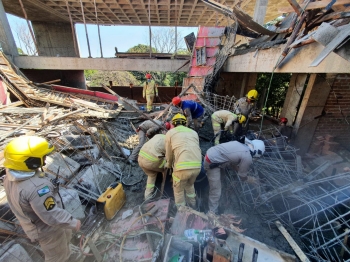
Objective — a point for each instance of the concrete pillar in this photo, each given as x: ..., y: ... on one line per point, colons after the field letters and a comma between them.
x: 54, y: 39
x: 7, y: 41
x: 310, y: 111
x: 294, y: 93
x: 260, y: 11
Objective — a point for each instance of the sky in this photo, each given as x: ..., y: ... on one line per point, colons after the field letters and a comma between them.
x: 122, y: 37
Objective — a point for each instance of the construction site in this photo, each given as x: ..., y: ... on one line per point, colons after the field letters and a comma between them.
x: 297, y: 209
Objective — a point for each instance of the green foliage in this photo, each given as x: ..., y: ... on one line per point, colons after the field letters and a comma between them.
x: 140, y: 48
x: 20, y: 51
x: 89, y: 74
x: 278, y: 91
x: 119, y: 78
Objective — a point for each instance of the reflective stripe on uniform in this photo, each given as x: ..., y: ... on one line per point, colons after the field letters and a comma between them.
x: 147, y: 156
x: 181, y: 204
x: 162, y: 164
x: 150, y: 186
x: 176, y: 178
x: 191, y: 195
x: 214, y: 124
x: 216, y: 118
x: 188, y: 165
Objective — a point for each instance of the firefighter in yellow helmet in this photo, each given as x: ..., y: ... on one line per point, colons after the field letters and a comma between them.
x: 183, y: 154
x: 35, y: 200
x: 226, y: 119
x: 245, y: 106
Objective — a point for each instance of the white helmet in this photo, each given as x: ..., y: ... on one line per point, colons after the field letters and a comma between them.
x: 257, y: 147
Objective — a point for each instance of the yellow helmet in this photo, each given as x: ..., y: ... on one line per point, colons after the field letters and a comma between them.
x: 252, y: 95
x: 26, y: 153
x: 179, y: 119
x: 241, y: 118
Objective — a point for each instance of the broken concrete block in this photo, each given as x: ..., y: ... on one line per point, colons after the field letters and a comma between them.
x: 13, y: 252
x: 72, y: 203
x: 67, y: 167
x: 330, y: 146
x: 95, y: 178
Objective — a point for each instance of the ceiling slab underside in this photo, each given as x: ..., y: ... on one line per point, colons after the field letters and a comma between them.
x: 134, y: 12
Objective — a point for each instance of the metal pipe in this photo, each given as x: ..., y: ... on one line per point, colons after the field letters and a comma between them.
x: 30, y: 28
x: 73, y: 31
x: 86, y: 32
x: 149, y: 26
x: 98, y: 29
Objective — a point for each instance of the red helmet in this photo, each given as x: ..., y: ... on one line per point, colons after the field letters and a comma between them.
x: 167, y: 125
x: 176, y: 100
x: 283, y: 120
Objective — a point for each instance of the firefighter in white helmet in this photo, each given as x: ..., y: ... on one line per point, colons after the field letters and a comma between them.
x: 183, y: 154
x: 245, y: 106
x: 231, y: 154
x: 227, y: 119
x: 35, y: 200
x: 152, y: 161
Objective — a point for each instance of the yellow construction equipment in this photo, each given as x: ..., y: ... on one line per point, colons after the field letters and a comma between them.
x: 112, y: 200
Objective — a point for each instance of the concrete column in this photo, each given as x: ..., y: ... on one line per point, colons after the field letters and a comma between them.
x: 54, y: 39
x: 310, y: 111
x: 7, y: 41
x: 260, y: 11
x: 294, y: 93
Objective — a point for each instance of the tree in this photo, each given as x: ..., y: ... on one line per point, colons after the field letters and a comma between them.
x: 164, y: 40
x: 119, y: 78
x: 26, y: 39
x: 277, y: 94
x: 140, y: 48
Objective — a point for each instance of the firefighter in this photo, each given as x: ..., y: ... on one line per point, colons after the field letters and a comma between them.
x: 283, y: 134
x: 146, y: 130
x: 192, y: 110
x: 227, y: 119
x: 150, y: 89
x: 152, y: 160
x: 234, y: 154
x: 35, y: 200
x: 183, y: 155
x: 245, y: 106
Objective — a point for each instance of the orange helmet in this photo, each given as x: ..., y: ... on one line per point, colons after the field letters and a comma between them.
x: 176, y: 100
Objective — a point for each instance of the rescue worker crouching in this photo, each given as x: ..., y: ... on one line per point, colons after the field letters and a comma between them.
x: 192, y: 110
x: 152, y: 161
x: 226, y: 118
x: 231, y: 154
x: 146, y: 130
x: 245, y: 106
x: 35, y: 200
x: 183, y: 154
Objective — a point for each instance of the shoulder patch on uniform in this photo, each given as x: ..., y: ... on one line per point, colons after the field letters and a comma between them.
x: 49, y: 203
x: 43, y: 191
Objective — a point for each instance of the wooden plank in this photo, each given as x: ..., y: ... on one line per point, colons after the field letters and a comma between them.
x: 18, y: 128
x: 292, y: 242
x: 314, y: 5
x: 295, y: 6
x: 17, y: 125
x: 18, y: 103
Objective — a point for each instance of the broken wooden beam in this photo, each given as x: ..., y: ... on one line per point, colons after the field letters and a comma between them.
x: 68, y: 114
x: 292, y: 242
x: 295, y: 6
